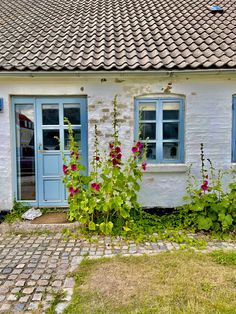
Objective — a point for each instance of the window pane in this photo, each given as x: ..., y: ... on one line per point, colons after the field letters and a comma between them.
x: 50, y: 114
x: 25, y: 155
x: 77, y: 137
x: 170, y: 131
x: 148, y: 130
x: 151, y: 151
x: 170, y: 151
x: 148, y: 111
x: 72, y: 113
x: 170, y: 111
x: 49, y: 140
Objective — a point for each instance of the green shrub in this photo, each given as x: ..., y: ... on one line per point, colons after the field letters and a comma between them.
x: 209, y: 206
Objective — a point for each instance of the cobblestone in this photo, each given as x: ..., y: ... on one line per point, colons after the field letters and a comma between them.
x: 33, y: 267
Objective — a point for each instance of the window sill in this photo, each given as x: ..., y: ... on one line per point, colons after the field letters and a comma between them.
x: 167, y: 168
x: 233, y: 166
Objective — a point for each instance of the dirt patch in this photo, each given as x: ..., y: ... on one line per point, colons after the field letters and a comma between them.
x: 51, y: 218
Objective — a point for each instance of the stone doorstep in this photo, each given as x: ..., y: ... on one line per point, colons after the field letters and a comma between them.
x: 25, y: 226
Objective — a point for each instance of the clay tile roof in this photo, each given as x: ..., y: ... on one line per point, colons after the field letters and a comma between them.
x: 59, y: 35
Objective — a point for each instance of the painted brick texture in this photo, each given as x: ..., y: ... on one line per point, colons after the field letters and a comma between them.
x: 208, y: 119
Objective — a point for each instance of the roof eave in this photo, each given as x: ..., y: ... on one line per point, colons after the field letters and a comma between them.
x: 80, y: 73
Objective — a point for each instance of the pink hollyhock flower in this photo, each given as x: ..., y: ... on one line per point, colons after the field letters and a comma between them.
x: 73, y: 167
x: 134, y: 149
x: 139, y: 145
x: 144, y: 165
x: 73, y: 191
x: 65, y: 169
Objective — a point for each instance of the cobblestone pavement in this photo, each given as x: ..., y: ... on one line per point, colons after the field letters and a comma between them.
x: 33, y: 268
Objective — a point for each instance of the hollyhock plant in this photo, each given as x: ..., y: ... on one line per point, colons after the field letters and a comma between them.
x: 108, y: 195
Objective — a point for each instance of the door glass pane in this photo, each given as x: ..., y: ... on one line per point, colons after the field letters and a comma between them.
x: 72, y: 113
x: 170, y: 131
x: 50, y: 141
x: 77, y: 137
x: 170, y: 151
x: 50, y: 114
x: 148, y: 130
x: 147, y: 111
x: 170, y: 111
x: 25, y: 155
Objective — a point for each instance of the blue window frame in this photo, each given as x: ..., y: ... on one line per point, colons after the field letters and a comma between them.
x: 160, y: 121
x: 234, y: 131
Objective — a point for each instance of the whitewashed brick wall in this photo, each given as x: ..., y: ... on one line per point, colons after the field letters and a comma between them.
x: 208, y: 119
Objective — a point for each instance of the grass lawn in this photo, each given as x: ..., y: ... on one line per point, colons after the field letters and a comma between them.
x: 177, y: 282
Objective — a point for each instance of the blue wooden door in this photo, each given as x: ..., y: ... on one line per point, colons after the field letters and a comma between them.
x: 51, y: 129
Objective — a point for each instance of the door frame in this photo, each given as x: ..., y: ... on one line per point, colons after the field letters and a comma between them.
x: 21, y: 99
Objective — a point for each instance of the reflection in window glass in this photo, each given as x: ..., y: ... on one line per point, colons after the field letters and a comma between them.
x: 148, y: 130
x: 170, y: 111
x: 72, y: 113
x: 148, y: 111
x: 170, y: 130
x: 170, y: 151
x: 151, y: 151
x: 50, y: 140
x: 50, y: 114
x: 25, y: 154
x: 77, y: 137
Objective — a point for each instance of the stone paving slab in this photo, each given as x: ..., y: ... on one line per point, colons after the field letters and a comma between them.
x: 34, y: 267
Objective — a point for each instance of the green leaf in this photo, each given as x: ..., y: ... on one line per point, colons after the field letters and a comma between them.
x: 92, y: 226
x: 124, y: 212
x: 204, y: 223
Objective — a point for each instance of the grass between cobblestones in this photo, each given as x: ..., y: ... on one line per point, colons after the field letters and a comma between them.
x: 171, y: 282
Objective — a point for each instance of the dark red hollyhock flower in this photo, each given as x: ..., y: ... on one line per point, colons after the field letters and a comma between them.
x: 144, y: 165
x: 118, y: 149
x: 95, y: 186
x: 139, y: 145
x: 134, y: 149
x: 115, y: 162
x: 111, y: 145
x: 119, y: 156
x: 205, y: 186
x: 65, y: 169
x: 73, y: 167
x: 97, y: 158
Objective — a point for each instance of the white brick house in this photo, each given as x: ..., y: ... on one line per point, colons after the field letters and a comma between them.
x: 187, y: 94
